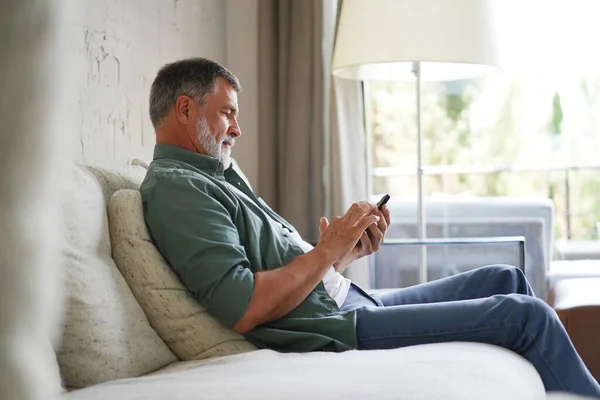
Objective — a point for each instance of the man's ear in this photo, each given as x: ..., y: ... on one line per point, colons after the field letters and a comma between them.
x: 183, y: 105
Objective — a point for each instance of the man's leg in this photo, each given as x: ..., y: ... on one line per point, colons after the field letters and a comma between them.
x: 521, y: 323
x: 474, y: 284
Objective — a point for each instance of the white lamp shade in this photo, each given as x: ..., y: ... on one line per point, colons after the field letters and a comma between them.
x: 380, y: 39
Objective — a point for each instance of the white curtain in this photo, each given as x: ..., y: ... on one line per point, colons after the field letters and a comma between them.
x: 345, y: 141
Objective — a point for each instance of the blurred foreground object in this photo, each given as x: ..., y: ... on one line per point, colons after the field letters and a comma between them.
x: 31, y: 49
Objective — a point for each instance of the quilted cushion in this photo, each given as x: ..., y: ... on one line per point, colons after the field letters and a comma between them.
x: 113, y: 179
x: 186, y: 327
x: 106, y: 334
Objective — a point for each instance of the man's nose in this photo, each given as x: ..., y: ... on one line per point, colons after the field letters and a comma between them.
x: 234, y: 130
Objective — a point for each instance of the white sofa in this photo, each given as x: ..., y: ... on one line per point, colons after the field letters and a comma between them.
x: 131, y: 331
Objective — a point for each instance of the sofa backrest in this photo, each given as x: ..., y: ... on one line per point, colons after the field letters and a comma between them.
x: 106, y: 334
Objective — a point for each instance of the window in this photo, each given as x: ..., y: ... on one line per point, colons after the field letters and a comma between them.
x: 531, y: 131
x: 510, y: 134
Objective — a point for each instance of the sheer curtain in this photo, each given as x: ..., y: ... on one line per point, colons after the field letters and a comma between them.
x: 346, y: 147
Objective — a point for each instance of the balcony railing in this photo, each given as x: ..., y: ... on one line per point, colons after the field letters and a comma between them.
x: 444, y: 170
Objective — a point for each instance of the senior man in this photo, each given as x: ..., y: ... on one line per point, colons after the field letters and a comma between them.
x: 251, y: 269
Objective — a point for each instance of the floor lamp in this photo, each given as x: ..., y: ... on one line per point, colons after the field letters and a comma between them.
x: 421, y: 40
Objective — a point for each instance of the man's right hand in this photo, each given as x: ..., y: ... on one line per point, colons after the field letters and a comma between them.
x: 280, y: 290
x: 342, y: 234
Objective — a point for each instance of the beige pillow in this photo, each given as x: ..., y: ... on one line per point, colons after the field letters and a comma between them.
x: 106, y: 334
x: 186, y: 327
x: 113, y: 179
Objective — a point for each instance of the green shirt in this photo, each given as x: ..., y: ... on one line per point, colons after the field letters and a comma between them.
x: 214, y: 232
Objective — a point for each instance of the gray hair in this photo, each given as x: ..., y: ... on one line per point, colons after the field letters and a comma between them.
x: 193, y: 77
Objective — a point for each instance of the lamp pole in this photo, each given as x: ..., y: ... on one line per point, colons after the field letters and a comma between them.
x: 416, y: 70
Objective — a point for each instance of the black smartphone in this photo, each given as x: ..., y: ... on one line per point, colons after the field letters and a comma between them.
x: 384, y: 199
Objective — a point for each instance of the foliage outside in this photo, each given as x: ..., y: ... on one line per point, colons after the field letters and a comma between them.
x: 507, y: 120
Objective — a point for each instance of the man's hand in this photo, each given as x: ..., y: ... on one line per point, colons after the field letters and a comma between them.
x: 370, y: 240
x: 339, y: 238
x: 280, y: 290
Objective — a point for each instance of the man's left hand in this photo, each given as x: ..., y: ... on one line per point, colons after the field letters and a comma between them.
x: 369, y: 243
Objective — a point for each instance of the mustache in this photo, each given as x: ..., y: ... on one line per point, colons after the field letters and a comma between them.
x: 230, y: 141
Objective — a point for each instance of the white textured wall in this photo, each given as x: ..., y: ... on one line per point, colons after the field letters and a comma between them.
x: 119, y: 46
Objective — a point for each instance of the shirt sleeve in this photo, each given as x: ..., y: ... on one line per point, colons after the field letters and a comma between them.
x: 195, y: 233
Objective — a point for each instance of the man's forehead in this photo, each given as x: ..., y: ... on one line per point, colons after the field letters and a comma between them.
x: 225, y: 91
x: 223, y: 84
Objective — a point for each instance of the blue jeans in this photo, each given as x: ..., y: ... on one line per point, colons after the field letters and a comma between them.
x: 493, y: 305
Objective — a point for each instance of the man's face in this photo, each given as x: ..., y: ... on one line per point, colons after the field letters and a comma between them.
x: 217, y: 126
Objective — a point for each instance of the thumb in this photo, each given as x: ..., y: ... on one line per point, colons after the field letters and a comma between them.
x: 323, y: 224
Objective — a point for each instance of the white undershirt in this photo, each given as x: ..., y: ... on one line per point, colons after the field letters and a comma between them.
x: 335, y: 284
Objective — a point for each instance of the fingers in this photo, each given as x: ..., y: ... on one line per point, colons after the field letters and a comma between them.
x: 359, y: 209
x: 376, y: 235
x: 366, y: 221
x: 386, y: 214
x: 366, y: 246
x: 363, y: 207
x: 323, y: 224
x: 383, y: 223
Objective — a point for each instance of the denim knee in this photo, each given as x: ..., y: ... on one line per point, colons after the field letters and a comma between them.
x: 513, y: 276
x: 505, y: 269
x: 527, y: 309
x: 531, y: 319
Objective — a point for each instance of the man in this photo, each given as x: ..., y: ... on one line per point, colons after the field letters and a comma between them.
x: 252, y: 271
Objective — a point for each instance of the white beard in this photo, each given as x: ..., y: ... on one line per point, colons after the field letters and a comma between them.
x: 211, y: 146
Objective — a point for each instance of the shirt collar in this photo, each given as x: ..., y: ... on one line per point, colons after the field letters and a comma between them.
x: 203, y: 162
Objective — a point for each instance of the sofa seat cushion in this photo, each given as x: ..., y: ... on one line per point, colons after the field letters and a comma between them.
x: 461, y: 371
x: 184, y: 325
x: 106, y: 335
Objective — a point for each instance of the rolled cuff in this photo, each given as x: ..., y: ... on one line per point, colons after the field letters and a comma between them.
x: 232, y: 295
